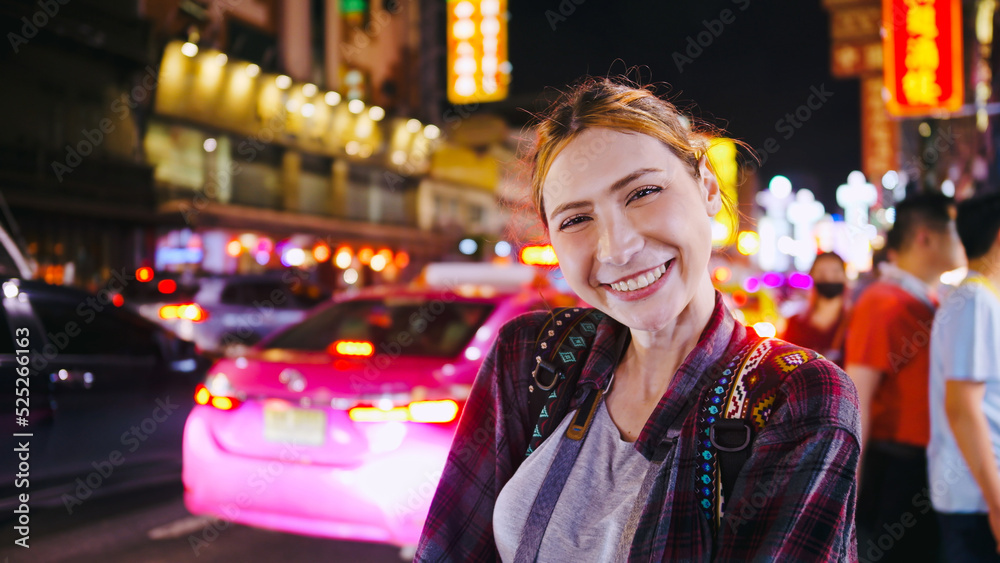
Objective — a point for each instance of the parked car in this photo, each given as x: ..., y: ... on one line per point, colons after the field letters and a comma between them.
x: 339, y: 426
x: 107, y: 391
x: 236, y: 311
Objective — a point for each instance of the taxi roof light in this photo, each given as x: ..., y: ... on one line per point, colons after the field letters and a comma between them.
x: 352, y: 348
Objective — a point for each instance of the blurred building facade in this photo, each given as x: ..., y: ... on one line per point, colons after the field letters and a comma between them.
x: 233, y: 137
x: 949, y: 146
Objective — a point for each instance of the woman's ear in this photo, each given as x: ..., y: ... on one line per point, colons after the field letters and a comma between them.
x: 709, y: 184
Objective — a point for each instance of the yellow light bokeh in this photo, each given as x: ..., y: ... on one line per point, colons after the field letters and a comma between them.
x: 748, y: 243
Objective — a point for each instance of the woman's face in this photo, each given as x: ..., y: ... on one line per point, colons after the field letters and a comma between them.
x: 631, y: 226
x: 828, y: 270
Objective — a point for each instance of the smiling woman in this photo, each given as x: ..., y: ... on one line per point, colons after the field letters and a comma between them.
x: 676, y: 433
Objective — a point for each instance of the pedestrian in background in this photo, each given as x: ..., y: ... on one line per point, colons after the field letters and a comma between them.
x: 823, y: 324
x: 964, y: 451
x: 887, y: 356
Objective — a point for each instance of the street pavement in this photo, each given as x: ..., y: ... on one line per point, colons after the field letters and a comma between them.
x: 152, y: 526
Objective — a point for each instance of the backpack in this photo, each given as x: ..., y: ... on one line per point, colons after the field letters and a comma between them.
x: 724, y: 417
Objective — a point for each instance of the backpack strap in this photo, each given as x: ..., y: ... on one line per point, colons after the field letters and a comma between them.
x: 732, y: 435
x: 561, y: 346
x: 734, y: 410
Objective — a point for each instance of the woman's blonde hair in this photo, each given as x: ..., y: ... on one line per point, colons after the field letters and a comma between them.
x: 617, y: 105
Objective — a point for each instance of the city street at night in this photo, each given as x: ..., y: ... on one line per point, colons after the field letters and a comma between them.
x: 499, y: 280
x: 153, y: 526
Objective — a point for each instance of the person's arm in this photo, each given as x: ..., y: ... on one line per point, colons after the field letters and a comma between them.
x: 866, y: 379
x: 459, y: 525
x: 964, y: 407
x: 867, y: 349
x: 795, y: 498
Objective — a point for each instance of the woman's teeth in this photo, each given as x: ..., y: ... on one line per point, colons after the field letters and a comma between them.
x: 640, y: 281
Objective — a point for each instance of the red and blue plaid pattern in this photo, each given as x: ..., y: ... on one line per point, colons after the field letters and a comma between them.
x: 794, y: 500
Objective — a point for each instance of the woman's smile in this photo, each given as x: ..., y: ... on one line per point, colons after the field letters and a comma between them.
x: 642, y: 285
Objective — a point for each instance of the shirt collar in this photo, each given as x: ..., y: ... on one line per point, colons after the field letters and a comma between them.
x: 975, y: 277
x: 908, y: 282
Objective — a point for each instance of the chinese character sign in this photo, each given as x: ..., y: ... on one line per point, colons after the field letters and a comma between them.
x: 923, y: 55
x: 478, y: 69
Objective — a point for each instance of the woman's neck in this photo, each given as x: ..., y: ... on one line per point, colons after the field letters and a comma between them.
x: 652, y: 358
x: 826, y: 311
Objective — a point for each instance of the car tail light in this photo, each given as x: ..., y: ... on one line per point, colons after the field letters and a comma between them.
x: 373, y: 414
x: 203, y: 396
x: 225, y: 403
x: 433, y: 411
x: 167, y: 286
x: 352, y: 348
x: 440, y: 412
x: 188, y: 311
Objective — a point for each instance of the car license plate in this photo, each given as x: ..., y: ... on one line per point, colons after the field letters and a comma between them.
x: 295, y: 426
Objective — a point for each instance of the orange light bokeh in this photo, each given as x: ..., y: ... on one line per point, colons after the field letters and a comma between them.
x: 321, y: 252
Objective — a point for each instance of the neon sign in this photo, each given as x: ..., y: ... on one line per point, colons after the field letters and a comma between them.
x: 923, y: 56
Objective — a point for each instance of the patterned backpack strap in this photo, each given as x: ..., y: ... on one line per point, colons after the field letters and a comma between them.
x: 734, y: 410
x: 560, y: 349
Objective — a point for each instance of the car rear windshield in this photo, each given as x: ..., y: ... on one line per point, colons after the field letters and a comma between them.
x: 408, y: 327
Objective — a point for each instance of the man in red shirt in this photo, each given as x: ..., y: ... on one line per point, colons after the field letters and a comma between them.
x: 887, y: 356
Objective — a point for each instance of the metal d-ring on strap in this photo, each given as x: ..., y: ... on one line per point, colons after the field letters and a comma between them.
x: 548, y: 366
x: 540, y: 363
x: 729, y: 425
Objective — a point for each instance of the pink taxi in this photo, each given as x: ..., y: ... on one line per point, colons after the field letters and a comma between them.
x: 339, y: 426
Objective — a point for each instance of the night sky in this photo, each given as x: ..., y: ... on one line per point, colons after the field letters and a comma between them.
x: 757, y: 68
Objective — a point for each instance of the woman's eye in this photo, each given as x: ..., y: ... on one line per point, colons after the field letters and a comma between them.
x: 575, y: 220
x: 643, y: 192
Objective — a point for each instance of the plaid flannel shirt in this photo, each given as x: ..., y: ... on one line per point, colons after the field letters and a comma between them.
x: 793, y: 501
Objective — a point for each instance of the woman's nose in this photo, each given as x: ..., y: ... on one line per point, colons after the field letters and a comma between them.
x: 618, y: 243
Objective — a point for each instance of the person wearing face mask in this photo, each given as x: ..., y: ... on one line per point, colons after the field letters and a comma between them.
x: 626, y: 460
x: 821, y: 326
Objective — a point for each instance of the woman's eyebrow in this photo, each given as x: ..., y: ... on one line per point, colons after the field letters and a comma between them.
x: 615, y: 186
x: 629, y: 178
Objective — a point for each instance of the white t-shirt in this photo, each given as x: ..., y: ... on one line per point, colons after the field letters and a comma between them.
x: 965, y: 346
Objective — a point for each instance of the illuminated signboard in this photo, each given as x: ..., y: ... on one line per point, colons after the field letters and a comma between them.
x: 923, y: 55
x: 478, y: 69
x: 722, y: 154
